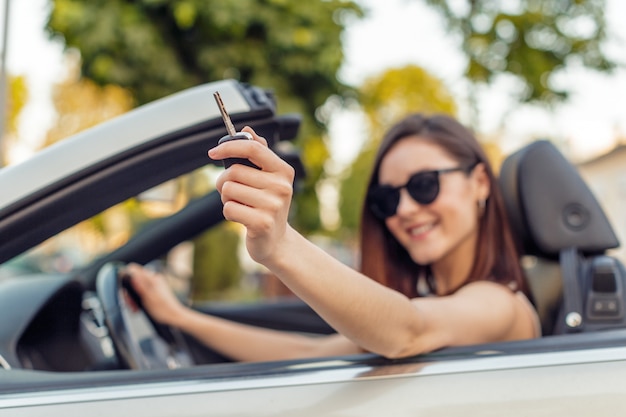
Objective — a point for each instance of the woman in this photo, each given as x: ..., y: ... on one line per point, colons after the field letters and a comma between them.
x: 434, y: 240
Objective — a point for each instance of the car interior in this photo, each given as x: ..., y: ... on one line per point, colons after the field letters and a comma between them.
x: 564, y: 235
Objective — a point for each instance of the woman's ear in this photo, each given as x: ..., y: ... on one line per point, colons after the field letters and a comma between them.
x: 481, y: 182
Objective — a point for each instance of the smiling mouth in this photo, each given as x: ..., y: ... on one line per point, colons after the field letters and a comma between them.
x: 420, y: 230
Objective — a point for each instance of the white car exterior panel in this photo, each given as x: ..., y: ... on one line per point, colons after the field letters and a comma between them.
x: 533, y: 384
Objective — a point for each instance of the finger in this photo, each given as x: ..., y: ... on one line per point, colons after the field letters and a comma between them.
x: 254, y: 220
x: 255, y: 151
x: 141, y: 278
x: 133, y: 270
x: 263, y: 199
x: 139, y: 282
x: 255, y: 137
x: 246, y: 175
x: 249, y: 187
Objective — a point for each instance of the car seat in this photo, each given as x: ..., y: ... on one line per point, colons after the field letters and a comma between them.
x: 564, y: 235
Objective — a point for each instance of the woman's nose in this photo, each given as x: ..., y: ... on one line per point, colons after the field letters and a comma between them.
x: 407, y: 204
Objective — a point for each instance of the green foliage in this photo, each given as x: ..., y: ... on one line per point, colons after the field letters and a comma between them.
x: 386, y: 99
x: 352, y: 190
x: 529, y: 39
x: 217, y: 258
x: 156, y: 47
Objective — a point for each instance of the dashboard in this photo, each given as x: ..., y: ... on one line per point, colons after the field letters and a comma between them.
x: 51, y: 323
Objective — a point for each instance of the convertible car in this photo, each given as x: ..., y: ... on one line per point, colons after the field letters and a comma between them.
x: 74, y: 340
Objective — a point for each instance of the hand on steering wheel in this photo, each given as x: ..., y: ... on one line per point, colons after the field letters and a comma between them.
x: 154, y: 293
x: 141, y: 341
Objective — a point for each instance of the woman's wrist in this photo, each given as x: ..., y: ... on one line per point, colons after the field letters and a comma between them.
x: 177, y: 317
x: 283, y: 255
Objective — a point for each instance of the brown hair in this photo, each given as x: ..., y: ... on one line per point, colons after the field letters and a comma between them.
x: 386, y: 261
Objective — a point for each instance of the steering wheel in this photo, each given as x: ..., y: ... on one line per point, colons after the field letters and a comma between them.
x: 141, y: 342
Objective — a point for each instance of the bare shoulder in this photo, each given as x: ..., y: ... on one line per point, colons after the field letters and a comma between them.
x: 509, y: 304
x: 497, y: 295
x: 494, y: 291
x: 489, y: 297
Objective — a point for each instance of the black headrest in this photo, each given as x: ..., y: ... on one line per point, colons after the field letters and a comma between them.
x: 549, y: 204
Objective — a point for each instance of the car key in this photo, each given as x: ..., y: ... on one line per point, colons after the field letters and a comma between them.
x: 232, y: 134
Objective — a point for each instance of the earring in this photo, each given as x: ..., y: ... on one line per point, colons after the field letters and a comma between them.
x: 482, y: 203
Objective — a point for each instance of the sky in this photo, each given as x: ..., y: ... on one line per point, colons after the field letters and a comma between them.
x: 31, y: 53
x: 395, y: 33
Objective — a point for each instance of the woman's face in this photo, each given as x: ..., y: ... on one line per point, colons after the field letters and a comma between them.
x: 444, y: 231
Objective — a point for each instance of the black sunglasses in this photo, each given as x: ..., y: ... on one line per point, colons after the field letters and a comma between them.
x: 423, y: 187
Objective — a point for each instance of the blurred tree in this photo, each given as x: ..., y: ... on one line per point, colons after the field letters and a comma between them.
x: 390, y: 96
x: 494, y: 153
x: 218, y: 248
x: 157, y: 47
x: 529, y: 39
x: 385, y: 99
x: 18, y: 96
